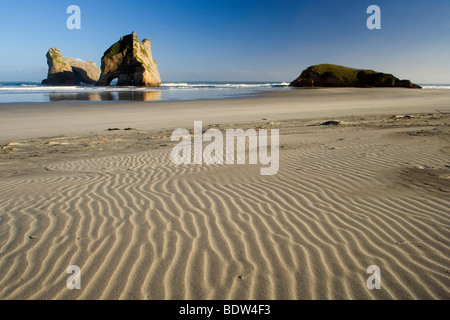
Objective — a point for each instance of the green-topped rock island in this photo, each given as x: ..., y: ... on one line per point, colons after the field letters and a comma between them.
x: 331, y: 75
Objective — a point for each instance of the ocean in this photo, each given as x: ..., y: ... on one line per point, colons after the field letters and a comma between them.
x: 11, y: 92
x: 170, y: 91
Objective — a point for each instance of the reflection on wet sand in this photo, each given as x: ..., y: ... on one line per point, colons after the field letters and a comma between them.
x: 141, y: 95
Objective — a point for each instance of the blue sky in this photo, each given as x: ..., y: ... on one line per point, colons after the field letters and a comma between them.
x: 234, y: 40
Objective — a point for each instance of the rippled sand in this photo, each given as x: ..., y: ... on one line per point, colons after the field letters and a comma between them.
x: 373, y: 190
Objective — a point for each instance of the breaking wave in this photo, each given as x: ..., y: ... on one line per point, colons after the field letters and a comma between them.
x: 36, y: 92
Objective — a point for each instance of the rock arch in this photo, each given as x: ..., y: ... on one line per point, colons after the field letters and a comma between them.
x: 131, y: 62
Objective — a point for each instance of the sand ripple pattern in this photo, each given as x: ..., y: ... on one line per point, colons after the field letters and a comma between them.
x: 142, y: 228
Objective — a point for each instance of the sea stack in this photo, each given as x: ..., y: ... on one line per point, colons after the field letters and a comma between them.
x: 63, y: 71
x: 131, y: 62
x: 331, y: 75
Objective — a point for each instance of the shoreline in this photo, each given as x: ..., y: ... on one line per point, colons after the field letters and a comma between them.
x: 24, y: 120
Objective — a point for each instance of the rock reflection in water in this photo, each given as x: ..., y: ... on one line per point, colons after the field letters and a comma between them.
x: 141, y: 95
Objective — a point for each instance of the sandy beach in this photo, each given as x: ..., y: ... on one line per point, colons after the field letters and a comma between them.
x: 93, y: 185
